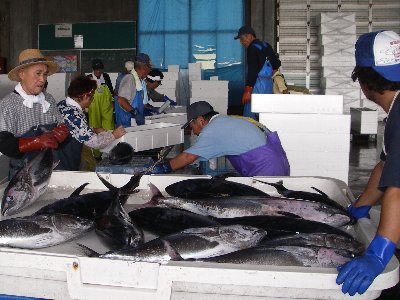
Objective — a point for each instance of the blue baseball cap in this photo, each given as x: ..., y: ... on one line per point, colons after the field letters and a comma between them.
x: 380, y: 50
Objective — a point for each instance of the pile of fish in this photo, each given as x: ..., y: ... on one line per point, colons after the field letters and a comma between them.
x: 208, y: 220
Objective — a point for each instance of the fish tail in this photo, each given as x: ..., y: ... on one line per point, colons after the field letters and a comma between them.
x: 112, y: 188
x: 279, y: 185
x: 132, y: 184
x: 88, y: 251
x: 79, y: 190
x: 319, y: 192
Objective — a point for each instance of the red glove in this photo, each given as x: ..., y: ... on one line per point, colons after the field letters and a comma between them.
x: 247, y: 94
x: 60, y: 132
x: 46, y: 140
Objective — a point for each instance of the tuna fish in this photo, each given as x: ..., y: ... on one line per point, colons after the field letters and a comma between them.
x: 278, y: 225
x: 163, y: 220
x: 90, y: 205
x: 35, y: 232
x: 232, y: 207
x: 302, y: 195
x: 208, y: 188
x: 115, y: 225
x: 28, y: 184
x: 317, y: 239
x: 193, y: 243
x: 300, y: 256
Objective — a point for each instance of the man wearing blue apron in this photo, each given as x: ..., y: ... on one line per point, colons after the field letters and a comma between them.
x: 251, y: 151
x: 132, y: 93
x: 262, y: 63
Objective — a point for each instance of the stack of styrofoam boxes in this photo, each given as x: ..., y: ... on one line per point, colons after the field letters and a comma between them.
x: 169, y: 83
x: 364, y: 120
x: 313, y: 130
x: 337, y: 35
x: 213, y: 91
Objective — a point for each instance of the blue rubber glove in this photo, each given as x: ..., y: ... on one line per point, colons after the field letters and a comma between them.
x: 358, y: 274
x: 172, y: 102
x: 133, y: 112
x: 162, y: 168
x: 359, y: 212
x: 140, y: 120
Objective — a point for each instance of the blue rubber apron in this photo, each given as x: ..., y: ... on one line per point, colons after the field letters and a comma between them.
x: 123, y: 117
x: 263, y: 85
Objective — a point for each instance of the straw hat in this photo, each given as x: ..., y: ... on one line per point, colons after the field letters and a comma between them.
x: 30, y: 57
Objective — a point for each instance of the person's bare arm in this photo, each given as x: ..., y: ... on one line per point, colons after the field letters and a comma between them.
x: 124, y: 103
x: 389, y: 224
x: 181, y: 160
x: 371, y: 193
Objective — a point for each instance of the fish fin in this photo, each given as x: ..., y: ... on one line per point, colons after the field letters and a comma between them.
x: 132, y: 184
x: 278, y: 185
x: 320, y: 192
x: 173, y: 254
x: 55, y: 164
x: 288, y: 214
x: 88, y: 251
x: 155, y: 193
x: 79, y: 190
x: 112, y: 188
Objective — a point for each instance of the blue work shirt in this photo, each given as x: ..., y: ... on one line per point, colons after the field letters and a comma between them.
x: 390, y: 173
x: 225, y: 135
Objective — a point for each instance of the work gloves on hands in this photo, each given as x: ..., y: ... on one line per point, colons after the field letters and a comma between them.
x: 358, y: 274
x: 246, y: 97
x: 161, y: 168
x: 49, y: 139
x: 358, y: 212
x: 172, y: 102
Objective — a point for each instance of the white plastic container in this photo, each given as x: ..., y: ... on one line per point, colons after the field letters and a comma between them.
x: 150, y: 136
x: 364, y: 120
x: 175, y: 118
x: 63, y: 272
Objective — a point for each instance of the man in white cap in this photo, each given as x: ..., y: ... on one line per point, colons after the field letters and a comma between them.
x: 251, y: 151
x: 378, y: 73
x: 29, y: 118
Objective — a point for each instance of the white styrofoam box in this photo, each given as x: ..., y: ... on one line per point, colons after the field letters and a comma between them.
x: 150, y: 136
x: 171, y: 93
x: 194, y: 77
x: 337, y: 72
x: 6, y: 85
x: 339, y: 175
x: 194, y: 67
x: 364, y: 120
x: 281, y: 103
x: 169, y: 84
x: 175, y: 118
x: 335, y: 18
x: 337, y: 61
x: 220, y: 105
x: 176, y: 109
x: 332, y: 142
x: 173, y: 68
x: 170, y: 76
x: 339, y: 83
x: 352, y: 93
x: 56, y: 86
x: 318, y: 161
x: 213, y: 77
x: 306, y: 123
x: 332, y: 49
x: 210, y: 84
x: 64, y: 272
x: 346, y: 28
x: 206, y: 92
x: 339, y: 40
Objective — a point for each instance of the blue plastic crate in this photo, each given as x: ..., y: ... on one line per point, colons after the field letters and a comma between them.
x: 137, y: 164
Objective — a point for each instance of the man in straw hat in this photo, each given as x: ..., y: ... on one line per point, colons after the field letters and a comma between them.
x: 29, y: 118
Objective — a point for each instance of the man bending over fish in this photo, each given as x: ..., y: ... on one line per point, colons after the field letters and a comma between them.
x: 29, y: 118
x: 378, y: 73
x: 251, y: 151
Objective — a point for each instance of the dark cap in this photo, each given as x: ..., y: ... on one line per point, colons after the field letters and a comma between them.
x: 244, y: 30
x: 197, y: 109
x: 97, y: 64
x: 142, y: 58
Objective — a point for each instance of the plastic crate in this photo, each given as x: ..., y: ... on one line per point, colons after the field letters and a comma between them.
x: 137, y: 164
